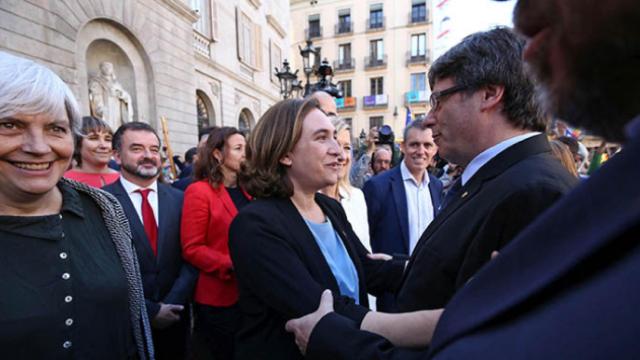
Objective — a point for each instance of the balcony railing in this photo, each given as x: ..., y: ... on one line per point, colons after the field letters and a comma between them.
x: 416, y: 97
x: 313, y: 32
x: 201, y: 44
x: 371, y: 62
x: 346, y: 103
x: 417, y: 59
x: 344, y: 28
x: 375, y: 24
x: 344, y: 65
x: 375, y: 101
x: 417, y: 18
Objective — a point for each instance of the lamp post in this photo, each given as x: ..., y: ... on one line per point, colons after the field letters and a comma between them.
x: 287, y: 79
x: 290, y: 85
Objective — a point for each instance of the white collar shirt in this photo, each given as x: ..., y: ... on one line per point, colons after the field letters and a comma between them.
x: 419, y: 205
x: 484, y: 157
x: 136, y: 197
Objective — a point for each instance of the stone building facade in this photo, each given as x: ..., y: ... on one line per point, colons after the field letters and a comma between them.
x: 162, y: 56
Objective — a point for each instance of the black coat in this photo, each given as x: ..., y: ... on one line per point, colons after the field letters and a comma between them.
x: 282, y: 272
x: 166, y: 278
x: 501, y: 199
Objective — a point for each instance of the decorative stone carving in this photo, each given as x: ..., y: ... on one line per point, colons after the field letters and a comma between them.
x: 215, y: 89
x: 108, y: 100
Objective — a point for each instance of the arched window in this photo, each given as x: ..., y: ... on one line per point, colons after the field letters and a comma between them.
x: 245, y: 121
x: 204, y: 110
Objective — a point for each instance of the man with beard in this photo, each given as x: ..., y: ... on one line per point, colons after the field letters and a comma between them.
x: 567, y: 286
x: 154, y: 211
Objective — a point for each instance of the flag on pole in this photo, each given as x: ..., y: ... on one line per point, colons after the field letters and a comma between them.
x: 408, y: 119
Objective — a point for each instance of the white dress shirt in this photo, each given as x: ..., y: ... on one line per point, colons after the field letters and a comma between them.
x: 355, y: 207
x: 419, y: 205
x: 136, y: 197
x: 490, y: 153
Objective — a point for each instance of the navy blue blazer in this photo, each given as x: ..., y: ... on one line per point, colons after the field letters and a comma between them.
x: 565, y: 288
x: 387, y: 210
x: 165, y: 278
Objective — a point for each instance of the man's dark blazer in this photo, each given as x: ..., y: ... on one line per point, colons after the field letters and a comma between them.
x: 387, y: 210
x: 165, y: 278
x: 565, y: 288
x: 282, y: 272
x: 388, y: 217
x: 498, y: 201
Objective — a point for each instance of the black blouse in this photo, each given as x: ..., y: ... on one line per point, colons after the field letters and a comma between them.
x: 64, y: 292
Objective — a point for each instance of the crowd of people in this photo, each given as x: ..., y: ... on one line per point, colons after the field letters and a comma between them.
x: 478, y: 235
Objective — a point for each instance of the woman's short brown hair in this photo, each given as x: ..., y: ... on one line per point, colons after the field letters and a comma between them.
x: 207, y: 167
x: 89, y: 125
x: 275, y: 135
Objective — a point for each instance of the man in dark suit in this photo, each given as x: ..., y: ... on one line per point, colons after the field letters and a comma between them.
x: 403, y: 201
x: 168, y: 281
x: 567, y: 286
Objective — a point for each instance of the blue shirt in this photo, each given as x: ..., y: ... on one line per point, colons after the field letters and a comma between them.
x: 337, y: 257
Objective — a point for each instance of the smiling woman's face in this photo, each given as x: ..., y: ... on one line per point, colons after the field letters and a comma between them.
x: 96, y: 148
x: 35, y: 151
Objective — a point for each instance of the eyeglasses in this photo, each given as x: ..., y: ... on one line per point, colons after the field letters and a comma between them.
x: 434, y: 99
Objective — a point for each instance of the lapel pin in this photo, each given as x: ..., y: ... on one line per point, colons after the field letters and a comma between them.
x: 464, y: 195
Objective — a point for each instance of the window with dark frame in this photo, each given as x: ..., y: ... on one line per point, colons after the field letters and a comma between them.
x: 418, y: 45
x: 377, y: 86
x: 376, y: 17
x: 419, y: 12
x: 344, y: 55
x: 344, y: 21
x: 376, y: 121
x: 314, y: 26
x: 345, y: 85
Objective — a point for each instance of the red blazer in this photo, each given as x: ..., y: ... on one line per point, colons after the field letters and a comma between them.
x: 206, y: 216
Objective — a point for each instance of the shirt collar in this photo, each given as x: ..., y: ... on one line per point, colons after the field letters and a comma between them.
x: 131, y: 188
x: 70, y: 200
x: 406, y: 175
x: 489, y: 154
x: 632, y: 130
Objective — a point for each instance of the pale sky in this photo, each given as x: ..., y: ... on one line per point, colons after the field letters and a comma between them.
x: 454, y: 19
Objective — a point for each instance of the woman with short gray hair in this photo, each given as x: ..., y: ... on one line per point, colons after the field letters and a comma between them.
x: 71, y: 284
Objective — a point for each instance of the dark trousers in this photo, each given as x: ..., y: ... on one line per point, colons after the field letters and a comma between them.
x: 215, y: 329
x: 171, y: 343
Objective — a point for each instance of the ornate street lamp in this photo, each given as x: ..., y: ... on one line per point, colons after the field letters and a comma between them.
x: 291, y: 86
x: 288, y: 80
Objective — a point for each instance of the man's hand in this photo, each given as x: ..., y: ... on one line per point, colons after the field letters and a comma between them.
x: 168, y: 314
x: 372, y: 138
x: 302, y: 327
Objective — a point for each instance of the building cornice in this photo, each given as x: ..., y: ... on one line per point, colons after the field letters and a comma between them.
x: 275, y: 24
x: 181, y: 8
x: 234, y: 75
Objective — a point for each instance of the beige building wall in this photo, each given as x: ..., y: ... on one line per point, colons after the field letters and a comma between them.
x: 396, y: 35
x: 158, y: 55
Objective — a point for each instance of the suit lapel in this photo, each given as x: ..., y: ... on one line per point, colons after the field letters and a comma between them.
x: 308, y: 243
x: 400, y: 198
x: 137, y: 228
x: 549, y: 248
x: 226, y: 201
x: 436, y: 194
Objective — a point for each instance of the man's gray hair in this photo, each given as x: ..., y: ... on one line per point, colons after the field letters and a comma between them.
x: 28, y: 88
x: 494, y: 57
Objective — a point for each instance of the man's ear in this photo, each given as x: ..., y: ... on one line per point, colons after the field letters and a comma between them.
x: 286, y: 160
x: 116, y: 156
x: 492, y: 95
